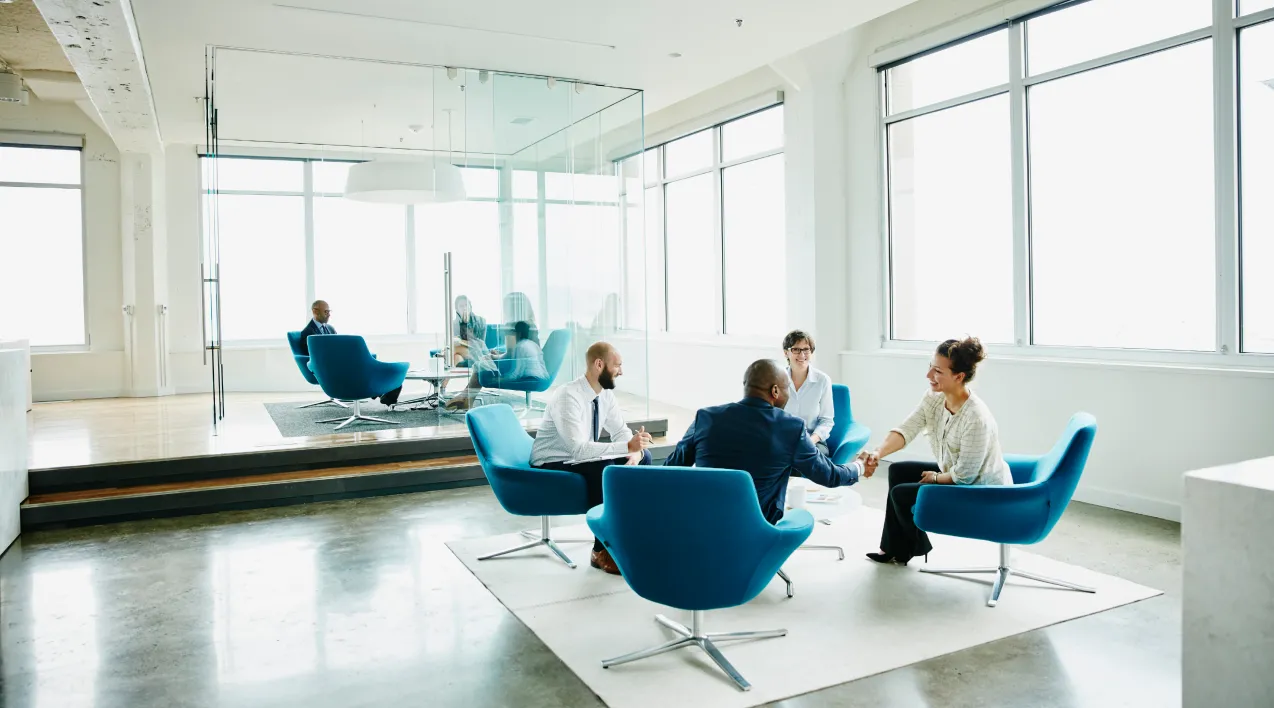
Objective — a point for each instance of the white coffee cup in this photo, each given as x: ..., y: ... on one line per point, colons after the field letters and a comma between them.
x: 796, y: 493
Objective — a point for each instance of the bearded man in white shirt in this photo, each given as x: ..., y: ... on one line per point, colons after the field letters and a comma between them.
x: 570, y: 432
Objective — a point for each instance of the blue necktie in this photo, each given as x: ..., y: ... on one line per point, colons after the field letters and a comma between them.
x: 596, y: 420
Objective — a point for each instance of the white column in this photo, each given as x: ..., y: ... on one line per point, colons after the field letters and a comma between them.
x: 13, y: 442
x: 1228, y: 590
x: 145, y: 269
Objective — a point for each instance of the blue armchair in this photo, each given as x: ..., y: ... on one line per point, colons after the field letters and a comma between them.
x: 555, y: 349
x: 848, y: 437
x: 694, y: 539
x: 504, y: 451
x: 347, y: 371
x: 1021, y: 513
x: 303, y: 363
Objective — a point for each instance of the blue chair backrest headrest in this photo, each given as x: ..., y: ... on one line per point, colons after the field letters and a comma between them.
x: 498, y: 436
x: 686, y: 536
x: 1060, y: 469
x: 340, y: 363
x: 555, y: 351
x: 844, y: 416
x: 294, y: 342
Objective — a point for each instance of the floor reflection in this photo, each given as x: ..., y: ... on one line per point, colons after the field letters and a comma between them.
x: 63, y: 636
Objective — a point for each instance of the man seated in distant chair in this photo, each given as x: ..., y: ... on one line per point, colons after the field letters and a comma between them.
x: 570, y: 433
x: 321, y: 313
x: 757, y: 436
x: 317, y: 325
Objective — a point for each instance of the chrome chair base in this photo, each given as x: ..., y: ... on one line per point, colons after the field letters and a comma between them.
x: 790, y: 588
x: 704, y: 640
x: 544, y: 539
x: 358, y: 415
x: 840, y: 552
x: 324, y: 403
x: 1002, y: 573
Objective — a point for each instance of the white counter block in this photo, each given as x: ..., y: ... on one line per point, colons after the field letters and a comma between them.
x: 13, y: 442
x: 1227, y: 531
x: 25, y: 347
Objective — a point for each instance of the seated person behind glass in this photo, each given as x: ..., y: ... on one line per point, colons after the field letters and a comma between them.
x: 522, y: 360
x: 470, y: 331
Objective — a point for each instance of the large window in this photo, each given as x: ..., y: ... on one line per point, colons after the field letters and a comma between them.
x: 1256, y: 96
x: 1054, y: 182
x: 379, y: 266
x: 713, y: 212
x: 42, y: 239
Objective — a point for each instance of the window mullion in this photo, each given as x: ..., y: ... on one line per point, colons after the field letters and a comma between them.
x: 1021, y: 193
x: 310, y: 290
x: 718, y: 219
x: 1225, y: 150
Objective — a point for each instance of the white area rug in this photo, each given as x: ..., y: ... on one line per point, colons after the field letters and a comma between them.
x: 849, y: 619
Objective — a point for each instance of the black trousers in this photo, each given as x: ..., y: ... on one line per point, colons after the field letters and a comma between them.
x: 900, y: 538
x: 592, y: 473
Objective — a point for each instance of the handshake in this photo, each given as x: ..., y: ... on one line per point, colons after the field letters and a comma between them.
x: 869, y: 460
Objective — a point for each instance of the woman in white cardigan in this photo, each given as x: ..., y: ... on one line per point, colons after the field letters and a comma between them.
x: 965, y: 442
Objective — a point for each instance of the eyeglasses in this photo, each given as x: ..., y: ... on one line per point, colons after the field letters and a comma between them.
x: 801, y: 350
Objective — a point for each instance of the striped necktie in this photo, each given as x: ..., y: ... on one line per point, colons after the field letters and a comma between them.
x: 596, y: 420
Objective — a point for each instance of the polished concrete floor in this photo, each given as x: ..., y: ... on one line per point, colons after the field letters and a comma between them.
x: 359, y: 603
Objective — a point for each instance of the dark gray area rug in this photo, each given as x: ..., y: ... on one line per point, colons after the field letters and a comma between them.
x: 295, y: 422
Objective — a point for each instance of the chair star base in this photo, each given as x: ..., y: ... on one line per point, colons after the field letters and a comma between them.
x: 358, y: 415
x: 543, y: 539
x: 704, y: 640
x: 815, y: 547
x: 1002, y: 573
x: 330, y: 401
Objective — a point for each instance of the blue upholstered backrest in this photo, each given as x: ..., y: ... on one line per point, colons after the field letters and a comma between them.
x: 301, y: 358
x: 294, y: 342
x: 690, y: 538
x: 346, y: 370
x: 1059, y: 470
x: 498, y: 437
x: 555, y: 348
x: 844, y: 416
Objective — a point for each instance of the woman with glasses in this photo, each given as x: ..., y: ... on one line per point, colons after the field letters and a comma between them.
x: 810, y: 390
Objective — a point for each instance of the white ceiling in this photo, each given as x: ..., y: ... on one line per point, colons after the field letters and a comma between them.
x: 619, y: 44
x: 26, y: 42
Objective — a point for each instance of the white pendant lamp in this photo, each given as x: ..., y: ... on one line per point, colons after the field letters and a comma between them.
x: 416, y: 182
x: 431, y: 181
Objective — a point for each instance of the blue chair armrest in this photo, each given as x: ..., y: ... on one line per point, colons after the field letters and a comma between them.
x: 1022, y: 467
x: 597, y: 521
x: 998, y: 513
x: 856, y: 438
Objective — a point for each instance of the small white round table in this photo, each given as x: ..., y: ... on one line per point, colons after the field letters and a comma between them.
x: 846, y: 500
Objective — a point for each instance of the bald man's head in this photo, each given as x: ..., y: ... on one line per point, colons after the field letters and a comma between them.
x: 603, y: 365
x: 765, y: 379
x: 321, y: 311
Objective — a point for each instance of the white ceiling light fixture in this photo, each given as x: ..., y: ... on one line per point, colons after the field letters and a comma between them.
x: 431, y: 181
x: 1269, y: 82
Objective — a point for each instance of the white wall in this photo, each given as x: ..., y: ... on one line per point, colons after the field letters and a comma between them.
x: 1154, y: 422
x: 99, y: 371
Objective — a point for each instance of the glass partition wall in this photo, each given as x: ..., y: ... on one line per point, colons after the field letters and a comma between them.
x: 510, y: 282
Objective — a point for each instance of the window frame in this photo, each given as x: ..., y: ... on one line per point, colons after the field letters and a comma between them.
x: 716, y: 169
x: 1223, y: 33
x: 87, y: 345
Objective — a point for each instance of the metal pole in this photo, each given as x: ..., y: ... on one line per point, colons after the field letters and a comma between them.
x: 449, y: 324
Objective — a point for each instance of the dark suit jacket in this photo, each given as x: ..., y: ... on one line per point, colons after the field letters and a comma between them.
x: 311, y: 330
x: 762, y: 440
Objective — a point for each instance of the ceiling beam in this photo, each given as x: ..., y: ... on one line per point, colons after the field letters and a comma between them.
x: 101, y: 41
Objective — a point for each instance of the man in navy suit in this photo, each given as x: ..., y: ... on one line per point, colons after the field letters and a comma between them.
x: 756, y: 435
x: 318, y: 325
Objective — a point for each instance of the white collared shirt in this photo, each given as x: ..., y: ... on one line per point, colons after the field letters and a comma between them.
x: 566, y: 430
x: 813, y: 403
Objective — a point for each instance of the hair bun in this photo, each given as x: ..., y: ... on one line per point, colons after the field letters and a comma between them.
x: 972, y: 348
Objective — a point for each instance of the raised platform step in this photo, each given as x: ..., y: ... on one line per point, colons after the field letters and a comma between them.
x: 210, y: 467
x: 132, y: 501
